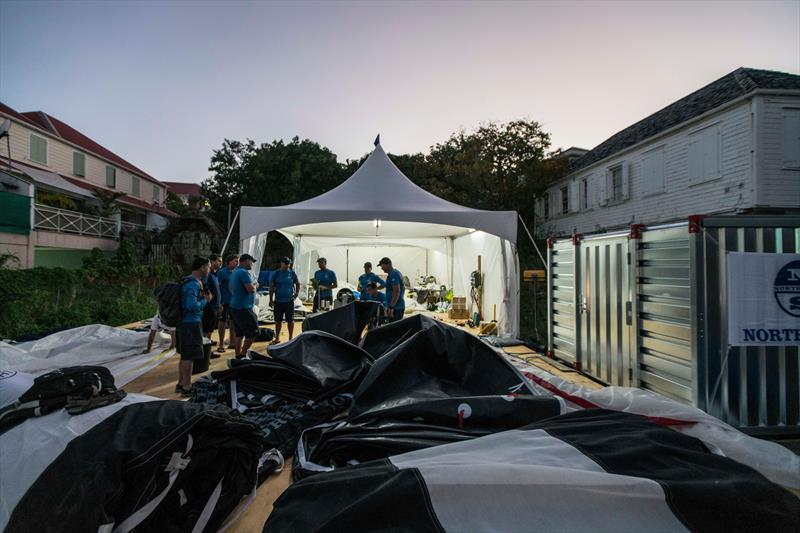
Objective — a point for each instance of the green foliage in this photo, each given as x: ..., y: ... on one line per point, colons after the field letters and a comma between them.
x: 108, y: 203
x: 174, y: 204
x: 53, y: 199
x: 113, y: 291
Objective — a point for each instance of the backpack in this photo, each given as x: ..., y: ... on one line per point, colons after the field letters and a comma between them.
x: 170, y: 308
x: 78, y: 388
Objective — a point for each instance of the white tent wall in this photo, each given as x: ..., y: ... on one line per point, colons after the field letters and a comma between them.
x: 500, y: 277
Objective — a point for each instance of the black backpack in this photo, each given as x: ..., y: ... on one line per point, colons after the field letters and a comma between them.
x: 78, y: 388
x: 170, y: 308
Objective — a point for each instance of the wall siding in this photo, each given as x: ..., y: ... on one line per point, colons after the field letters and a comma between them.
x: 59, y: 160
x: 776, y: 186
x: 733, y: 190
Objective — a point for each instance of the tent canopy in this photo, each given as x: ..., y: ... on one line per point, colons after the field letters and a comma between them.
x: 377, y: 191
x: 379, y: 211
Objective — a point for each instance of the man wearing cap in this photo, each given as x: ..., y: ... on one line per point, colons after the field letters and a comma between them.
x: 395, y: 291
x: 283, y: 289
x: 368, y: 277
x: 243, y: 297
x: 326, y: 281
x: 189, y: 333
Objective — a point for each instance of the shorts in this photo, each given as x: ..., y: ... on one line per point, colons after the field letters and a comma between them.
x: 209, y: 319
x: 398, y: 315
x: 245, y: 322
x: 284, y: 312
x: 189, y: 341
x: 156, y: 324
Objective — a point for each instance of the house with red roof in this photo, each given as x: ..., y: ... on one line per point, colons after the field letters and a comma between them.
x: 53, y: 181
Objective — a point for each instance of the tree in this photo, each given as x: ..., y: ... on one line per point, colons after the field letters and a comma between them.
x: 176, y: 205
x: 269, y: 174
x: 107, y: 200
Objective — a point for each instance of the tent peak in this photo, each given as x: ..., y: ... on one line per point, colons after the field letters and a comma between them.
x: 377, y: 140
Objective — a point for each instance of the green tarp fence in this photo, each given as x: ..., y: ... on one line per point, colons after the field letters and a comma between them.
x: 15, y: 213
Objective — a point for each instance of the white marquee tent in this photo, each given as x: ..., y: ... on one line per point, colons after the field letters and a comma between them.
x: 379, y: 212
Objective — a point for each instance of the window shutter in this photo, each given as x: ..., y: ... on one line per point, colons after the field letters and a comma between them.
x: 626, y: 181
x: 791, y: 138
x: 711, y: 166
x: 695, y: 159
x: 605, y: 188
x: 575, y: 196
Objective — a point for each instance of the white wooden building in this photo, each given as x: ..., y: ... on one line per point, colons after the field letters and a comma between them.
x: 733, y: 146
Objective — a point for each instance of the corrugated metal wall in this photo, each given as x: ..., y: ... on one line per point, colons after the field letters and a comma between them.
x: 649, y: 310
x: 753, y: 388
x: 663, y: 312
x: 561, y: 297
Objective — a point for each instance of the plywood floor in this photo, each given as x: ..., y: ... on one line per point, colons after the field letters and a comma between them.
x: 160, y: 382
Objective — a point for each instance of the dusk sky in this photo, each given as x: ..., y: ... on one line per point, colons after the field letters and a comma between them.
x: 162, y: 83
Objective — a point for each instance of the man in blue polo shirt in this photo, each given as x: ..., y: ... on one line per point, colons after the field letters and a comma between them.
x: 326, y: 282
x: 225, y: 320
x: 243, y: 298
x: 395, y: 291
x: 368, y: 277
x: 283, y: 289
x: 189, y: 333
x: 372, y: 294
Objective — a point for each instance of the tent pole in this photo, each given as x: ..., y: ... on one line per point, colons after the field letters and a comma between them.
x: 230, y: 229
x: 533, y: 241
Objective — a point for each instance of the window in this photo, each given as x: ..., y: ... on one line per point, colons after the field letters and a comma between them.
x: 616, y: 183
x: 38, y: 151
x: 584, y: 194
x: 111, y: 176
x: 79, y: 164
x: 704, y: 149
x: 136, y: 186
x: 156, y: 194
x: 791, y: 138
x: 564, y: 200
x: 653, y: 172
x: 546, y: 205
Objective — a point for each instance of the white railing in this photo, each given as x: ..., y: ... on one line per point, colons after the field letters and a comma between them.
x: 63, y: 221
x: 131, y: 226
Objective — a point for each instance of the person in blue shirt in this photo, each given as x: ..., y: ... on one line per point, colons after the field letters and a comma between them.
x: 189, y: 333
x: 211, y: 311
x: 283, y: 289
x: 395, y: 291
x: 368, y: 277
x: 225, y: 320
x: 326, y: 282
x: 372, y: 294
x: 243, y: 298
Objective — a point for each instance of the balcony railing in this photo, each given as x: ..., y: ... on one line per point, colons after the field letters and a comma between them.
x: 48, y: 218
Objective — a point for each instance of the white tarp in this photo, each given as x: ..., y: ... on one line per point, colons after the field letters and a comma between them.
x: 776, y: 463
x: 118, y: 349
x: 763, y: 293
x: 398, y: 219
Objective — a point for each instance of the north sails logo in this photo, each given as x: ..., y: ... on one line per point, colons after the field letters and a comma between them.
x: 787, y: 288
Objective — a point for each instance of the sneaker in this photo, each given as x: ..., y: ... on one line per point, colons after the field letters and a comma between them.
x: 178, y: 388
x: 186, y: 393
x: 221, y: 349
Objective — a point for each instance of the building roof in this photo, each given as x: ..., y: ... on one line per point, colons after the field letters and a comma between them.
x: 125, y: 199
x: 58, y: 128
x: 740, y: 82
x: 183, y: 189
x: 70, y: 134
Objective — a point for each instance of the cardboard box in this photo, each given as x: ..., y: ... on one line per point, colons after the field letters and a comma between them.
x: 458, y: 314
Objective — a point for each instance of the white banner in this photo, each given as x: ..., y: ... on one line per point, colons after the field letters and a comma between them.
x: 763, y: 293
